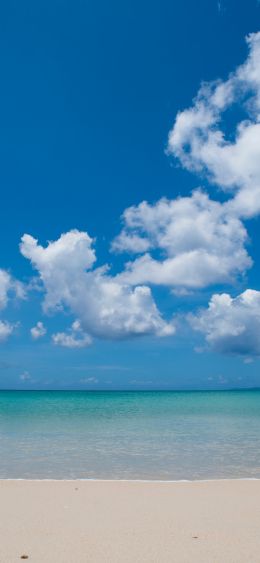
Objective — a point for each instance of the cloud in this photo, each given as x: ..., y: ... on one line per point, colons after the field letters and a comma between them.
x: 59, y: 262
x: 200, y: 242
x: 75, y: 338
x: 199, y: 141
x: 38, y: 330
x: 105, y: 307
x: 9, y: 287
x: 231, y: 325
x: 185, y: 243
x: 193, y: 242
x: 25, y: 376
x: 6, y: 330
x: 87, y: 380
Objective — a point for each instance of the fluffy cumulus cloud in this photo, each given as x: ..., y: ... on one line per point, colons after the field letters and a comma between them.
x: 38, y: 330
x: 184, y: 243
x: 74, y: 338
x: 199, y: 141
x: 105, y: 307
x: 231, y: 325
x: 199, y: 240
x: 192, y: 242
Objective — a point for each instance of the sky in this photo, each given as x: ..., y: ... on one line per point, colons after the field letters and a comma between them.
x: 130, y: 194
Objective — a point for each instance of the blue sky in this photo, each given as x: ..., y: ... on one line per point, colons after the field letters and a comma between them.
x: 95, y: 120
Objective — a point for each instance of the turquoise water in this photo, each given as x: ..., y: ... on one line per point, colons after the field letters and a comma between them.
x: 129, y: 435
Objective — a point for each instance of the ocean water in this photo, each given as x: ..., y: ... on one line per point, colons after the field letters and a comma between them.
x: 129, y: 435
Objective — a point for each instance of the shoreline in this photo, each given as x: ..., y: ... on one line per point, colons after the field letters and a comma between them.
x: 97, y: 480
x: 130, y: 521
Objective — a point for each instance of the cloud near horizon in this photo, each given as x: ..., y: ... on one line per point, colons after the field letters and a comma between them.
x: 231, y: 325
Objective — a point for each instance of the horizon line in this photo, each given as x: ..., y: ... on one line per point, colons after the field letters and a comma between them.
x: 126, y: 390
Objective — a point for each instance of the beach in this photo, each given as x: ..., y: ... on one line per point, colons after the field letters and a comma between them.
x: 122, y: 477
x: 129, y: 521
x: 130, y: 282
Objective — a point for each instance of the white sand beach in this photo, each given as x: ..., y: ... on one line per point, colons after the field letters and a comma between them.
x: 123, y: 522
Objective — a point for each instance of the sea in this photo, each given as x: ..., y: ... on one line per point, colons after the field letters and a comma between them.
x: 142, y: 435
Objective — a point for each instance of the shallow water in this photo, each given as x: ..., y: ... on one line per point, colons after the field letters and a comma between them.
x: 129, y: 435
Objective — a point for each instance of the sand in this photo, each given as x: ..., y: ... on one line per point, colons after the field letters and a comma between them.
x: 137, y: 522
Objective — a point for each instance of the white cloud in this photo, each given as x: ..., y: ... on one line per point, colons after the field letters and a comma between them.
x: 59, y: 262
x: 8, y: 287
x: 88, y: 380
x: 69, y: 340
x: 231, y: 325
x: 105, y: 307
x: 199, y: 142
x: 192, y: 242
x: 38, y: 330
x: 74, y: 338
x: 6, y: 330
x: 5, y: 286
x: 129, y: 241
x: 184, y: 243
x: 182, y: 292
x: 200, y: 240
